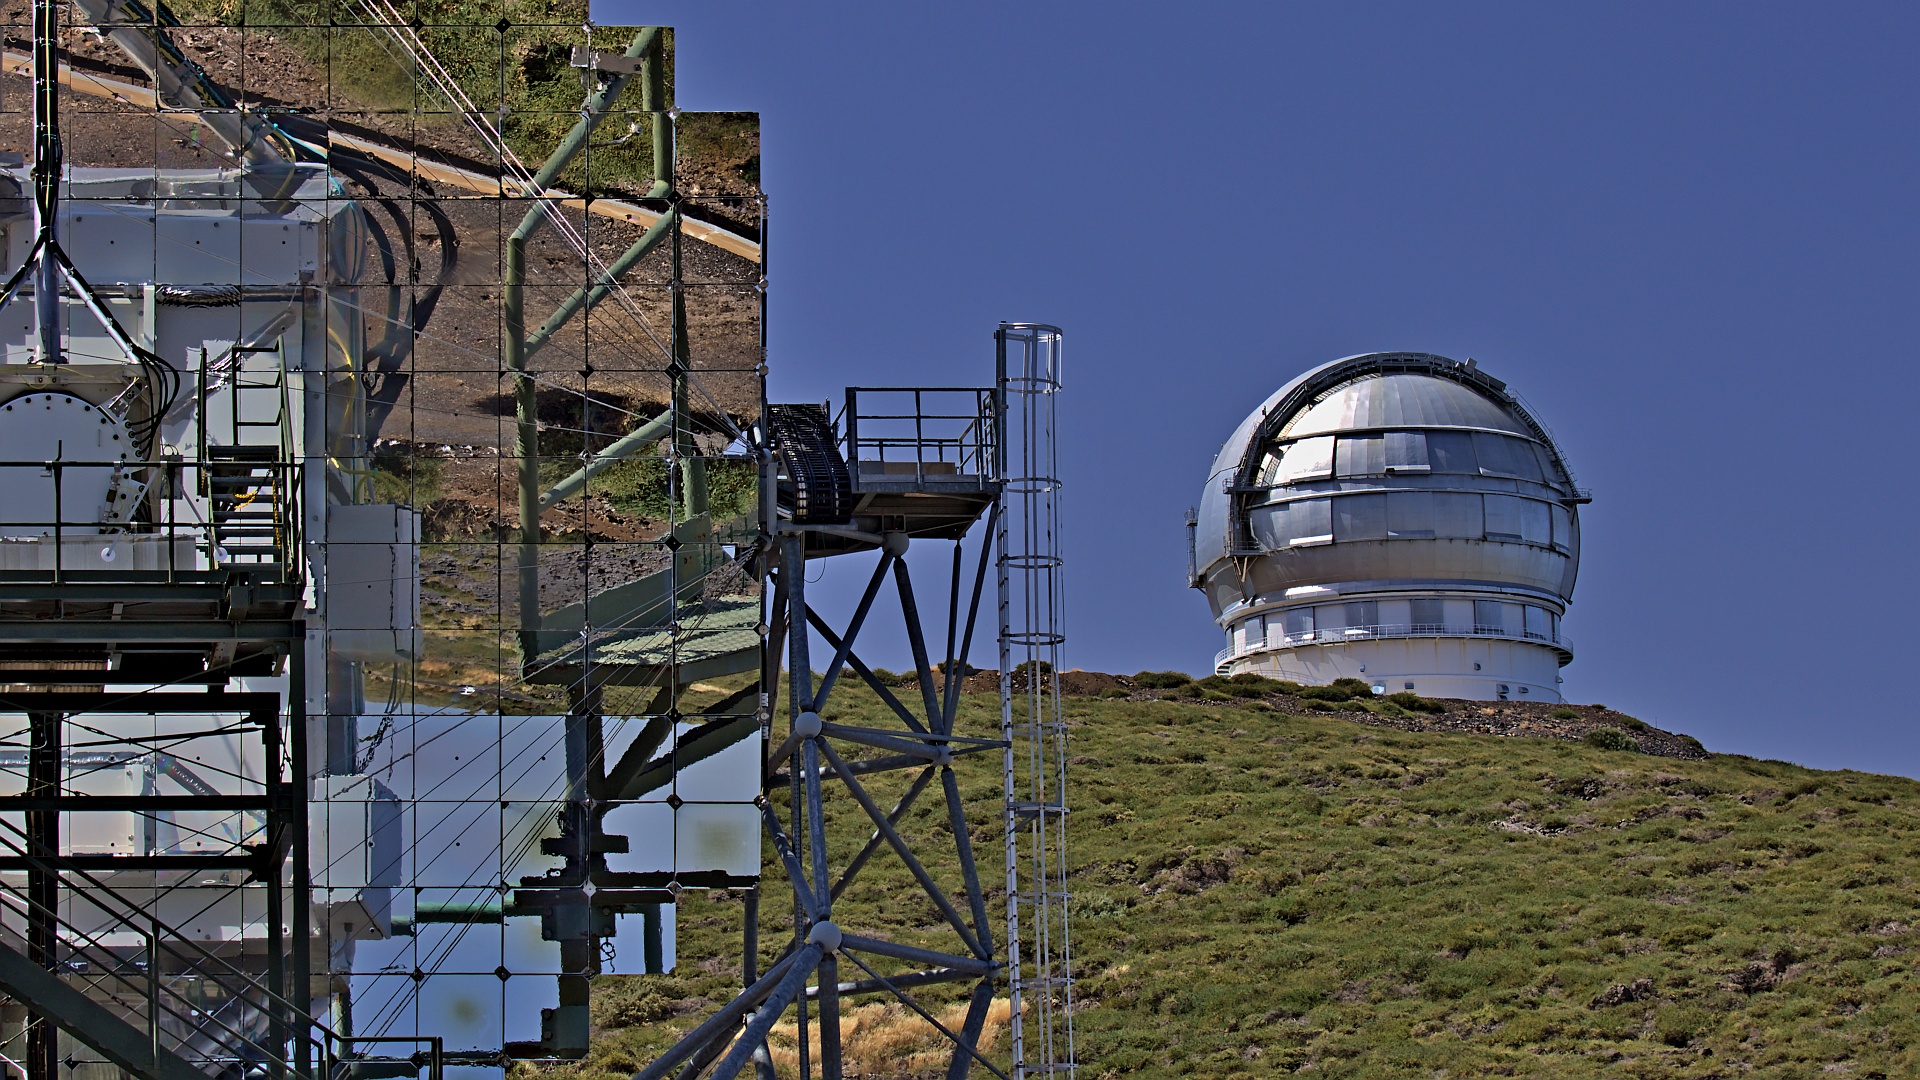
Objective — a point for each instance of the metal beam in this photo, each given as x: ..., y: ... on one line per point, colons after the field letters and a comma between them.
x: 526, y: 444
x: 770, y: 984
x: 81, y: 804
x: 910, y: 979
x: 167, y: 632
x: 915, y: 955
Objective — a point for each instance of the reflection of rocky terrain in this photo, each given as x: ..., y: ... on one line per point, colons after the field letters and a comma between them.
x: 441, y: 404
x: 465, y: 583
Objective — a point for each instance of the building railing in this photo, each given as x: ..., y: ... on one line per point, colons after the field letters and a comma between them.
x: 75, y: 543
x: 920, y: 435
x: 1339, y: 635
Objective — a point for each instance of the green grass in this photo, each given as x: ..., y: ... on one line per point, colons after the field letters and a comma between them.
x: 1259, y: 894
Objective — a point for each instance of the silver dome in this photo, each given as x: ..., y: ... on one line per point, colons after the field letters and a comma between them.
x: 1402, y: 479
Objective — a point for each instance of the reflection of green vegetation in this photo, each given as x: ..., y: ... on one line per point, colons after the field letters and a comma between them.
x: 722, y: 137
x: 1256, y: 893
x: 523, y: 72
x: 640, y: 487
x: 401, y: 475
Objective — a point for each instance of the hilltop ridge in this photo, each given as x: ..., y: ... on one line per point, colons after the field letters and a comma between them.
x: 1263, y: 886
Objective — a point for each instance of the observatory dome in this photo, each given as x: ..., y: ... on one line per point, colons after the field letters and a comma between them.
x: 1394, y: 517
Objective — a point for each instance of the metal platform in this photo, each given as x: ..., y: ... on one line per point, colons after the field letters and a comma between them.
x: 920, y: 461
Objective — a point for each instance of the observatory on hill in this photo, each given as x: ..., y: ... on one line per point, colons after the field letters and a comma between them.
x: 1394, y: 517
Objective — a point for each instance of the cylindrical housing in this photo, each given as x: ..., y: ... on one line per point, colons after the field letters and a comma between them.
x: 1398, y: 518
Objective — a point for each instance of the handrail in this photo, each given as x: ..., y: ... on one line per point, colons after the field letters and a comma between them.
x: 282, y: 476
x: 956, y: 429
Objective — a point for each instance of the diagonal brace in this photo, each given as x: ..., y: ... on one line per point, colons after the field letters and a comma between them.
x: 873, y: 842
x: 900, y: 848
x: 79, y: 1016
x: 866, y: 674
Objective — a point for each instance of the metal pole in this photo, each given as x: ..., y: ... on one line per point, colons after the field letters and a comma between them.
x: 793, y: 577
x: 47, y: 151
x: 526, y: 441
x: 302, y: 915
x: 43, y: 884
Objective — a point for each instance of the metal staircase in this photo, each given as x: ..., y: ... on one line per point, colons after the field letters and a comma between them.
x: 247, y: 469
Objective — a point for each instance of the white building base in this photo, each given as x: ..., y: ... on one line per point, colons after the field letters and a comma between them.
x: 1475, y: 669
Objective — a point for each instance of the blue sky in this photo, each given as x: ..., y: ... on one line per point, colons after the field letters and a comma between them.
x: 1685, y: 234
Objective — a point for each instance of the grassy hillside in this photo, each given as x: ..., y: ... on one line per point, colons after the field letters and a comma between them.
x: 1262, y: 893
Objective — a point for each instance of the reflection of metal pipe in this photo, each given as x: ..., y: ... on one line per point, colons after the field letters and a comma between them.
x: 584, y: 300
x: 526, y: 443
x: 180, y: 82
x: 636, y: 441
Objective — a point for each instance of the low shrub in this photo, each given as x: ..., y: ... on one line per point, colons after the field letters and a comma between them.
x: 1564, y: 714
x: 1238, y: 686
x: 1413, y: 702
x: 1161, y: 680
x: 1338, y: 690
x: 1115, y: 692
x: 1607, y: 738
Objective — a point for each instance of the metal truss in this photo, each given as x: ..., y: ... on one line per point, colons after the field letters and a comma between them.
x: 832, y: 502
x: 842, y: 961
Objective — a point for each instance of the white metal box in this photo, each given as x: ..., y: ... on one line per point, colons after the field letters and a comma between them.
x: 372, y: 604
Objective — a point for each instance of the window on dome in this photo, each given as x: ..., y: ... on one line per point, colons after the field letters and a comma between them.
x: 1451, y: 452
x: 1410, y: 515
x: 1548, y: 473
x: 1292, y: 524
x: 1406, y: 451
x: 1514, y: 519
x: 1539, y: 626
x: 1562, y: 529
x: 1308, y: 459
x: 1489, y: 617
x: 1362, y: 613
x: 1360, y: 517
x: 1297, y: 623
x: 1536, y: 522
x: 1504, y: 455
x: 1457, y: 515
x: 1429, y: 615
x: 1360, y: 455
